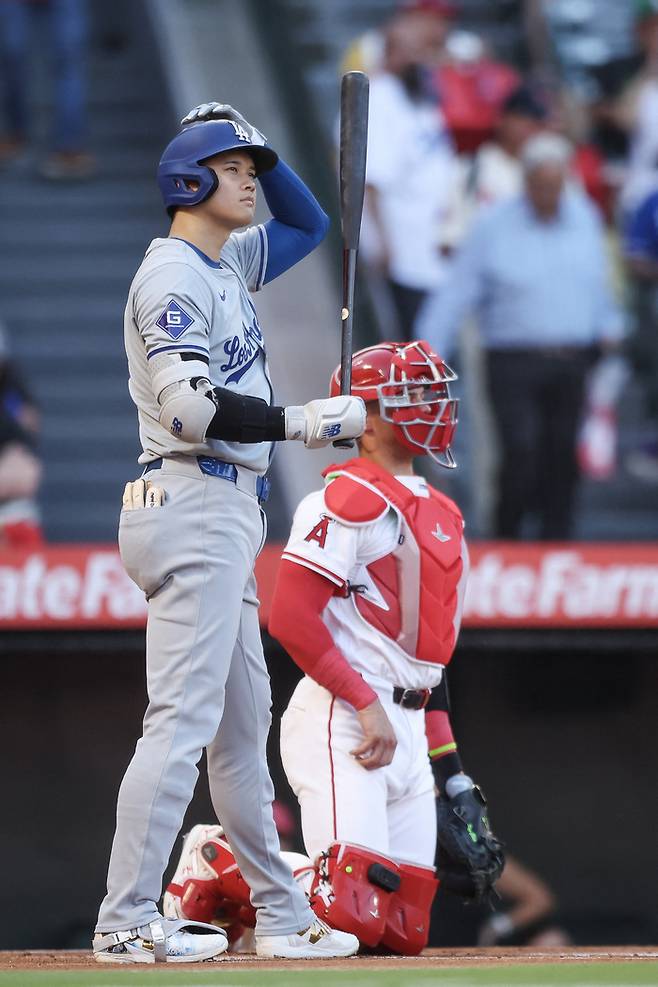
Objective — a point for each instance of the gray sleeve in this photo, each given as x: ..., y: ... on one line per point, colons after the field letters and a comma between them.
x: 172, y: 309
x: 246, y: 254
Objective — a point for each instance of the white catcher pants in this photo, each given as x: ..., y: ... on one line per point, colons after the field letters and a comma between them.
x: 390, y: 810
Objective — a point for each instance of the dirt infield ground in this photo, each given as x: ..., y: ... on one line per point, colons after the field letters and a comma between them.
x: 431, y: 959
x: 577, y: 967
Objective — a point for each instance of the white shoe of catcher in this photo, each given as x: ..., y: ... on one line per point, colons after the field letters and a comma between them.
x: 161, y: 941
x: 318, y: 942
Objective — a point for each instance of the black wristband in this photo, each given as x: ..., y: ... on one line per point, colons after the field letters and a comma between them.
x: 439, y: 698
x: 445, y: 767
x: 242, y: 418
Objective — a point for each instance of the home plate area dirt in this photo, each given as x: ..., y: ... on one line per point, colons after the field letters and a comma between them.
x: 48, y: 960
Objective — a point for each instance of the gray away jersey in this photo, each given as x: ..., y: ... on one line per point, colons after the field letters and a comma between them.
x: 178, y: 302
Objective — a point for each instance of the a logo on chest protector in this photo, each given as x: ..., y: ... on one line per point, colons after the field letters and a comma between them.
x: 242, y: 352
x: 439, y: 534
x: 174, y: 320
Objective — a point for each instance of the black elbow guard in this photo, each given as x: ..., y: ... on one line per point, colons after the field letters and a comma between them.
x: 242, y: 418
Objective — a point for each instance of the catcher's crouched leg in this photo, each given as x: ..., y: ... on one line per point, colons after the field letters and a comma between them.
x: 209, y: 887
x: 408, y: 921
x: 352, y: 890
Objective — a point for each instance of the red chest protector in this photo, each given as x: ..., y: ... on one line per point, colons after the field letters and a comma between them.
x: 419, y: 579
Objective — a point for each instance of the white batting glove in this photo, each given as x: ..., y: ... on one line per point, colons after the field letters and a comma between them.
x: 222, y: 111
x: 142, y: 493
x: 320, y: 422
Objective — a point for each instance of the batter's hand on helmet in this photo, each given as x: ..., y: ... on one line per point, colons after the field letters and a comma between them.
x: 379, y: 740
x: 320, y: 422
x: 222, y: 111
x: 470, y: 858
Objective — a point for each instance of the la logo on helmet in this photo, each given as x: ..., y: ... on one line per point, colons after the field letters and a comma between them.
x: 240, y: 132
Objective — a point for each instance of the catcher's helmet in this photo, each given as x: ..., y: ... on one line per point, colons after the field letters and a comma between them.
x: 411, y: 383
x: 182, y: 160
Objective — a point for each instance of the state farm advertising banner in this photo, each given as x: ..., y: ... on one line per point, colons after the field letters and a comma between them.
x: 567, y: 585
x: 510, y: 585
x: 70, y: 586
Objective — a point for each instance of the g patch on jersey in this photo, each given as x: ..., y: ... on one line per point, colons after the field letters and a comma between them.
x: 174, y: 320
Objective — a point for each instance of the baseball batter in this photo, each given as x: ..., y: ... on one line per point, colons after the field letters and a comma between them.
x: 368, y: 602
x: 192, y: 527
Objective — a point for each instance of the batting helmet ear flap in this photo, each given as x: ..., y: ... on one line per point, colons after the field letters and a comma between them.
x: 204, y: 177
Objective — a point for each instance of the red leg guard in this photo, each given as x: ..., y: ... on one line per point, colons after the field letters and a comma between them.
x: 352, y: 890
x: 200, y: 902
x: 223, y: 900
x: 408, y: 922
x: 199, y: 899
x: 230, y: 883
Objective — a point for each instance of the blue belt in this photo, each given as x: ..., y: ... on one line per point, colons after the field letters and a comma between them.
x: 225, y: 471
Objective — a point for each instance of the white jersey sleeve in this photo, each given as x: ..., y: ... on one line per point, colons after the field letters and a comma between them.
x: 246, y: 253
x: 334, y: 550
x: 172, y: 309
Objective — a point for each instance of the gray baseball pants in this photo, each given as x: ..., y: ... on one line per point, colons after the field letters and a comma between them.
x: 208, y: 686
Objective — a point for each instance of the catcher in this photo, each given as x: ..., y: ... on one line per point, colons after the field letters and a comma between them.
x: 368, y: 603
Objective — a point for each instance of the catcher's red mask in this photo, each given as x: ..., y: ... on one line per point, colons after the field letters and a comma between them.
x: 411, y: 383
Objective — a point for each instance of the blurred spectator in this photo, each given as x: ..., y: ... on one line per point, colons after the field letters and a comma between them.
x: 529, y: 916
x: 67, y: 23
x: 641, y: 252
x: 20, y: 470
x: 411, y: 172
x: 431, y: 17
x: 495, y: 172
x: 535, y: 270
x: 631, y: 113
x: 472, y: 88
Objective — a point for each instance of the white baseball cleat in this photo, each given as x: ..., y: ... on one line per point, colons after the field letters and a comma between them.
x: 161, y: 941
x: 317, y: 942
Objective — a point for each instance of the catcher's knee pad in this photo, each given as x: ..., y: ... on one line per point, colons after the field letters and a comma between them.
x: 408, y: 919
x: 352, y: 889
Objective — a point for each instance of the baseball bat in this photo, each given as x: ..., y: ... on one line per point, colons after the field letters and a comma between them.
x: 353, y: 145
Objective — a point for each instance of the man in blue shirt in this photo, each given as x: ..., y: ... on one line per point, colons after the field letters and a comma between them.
x: 641, y: 253
x: 534, y: 270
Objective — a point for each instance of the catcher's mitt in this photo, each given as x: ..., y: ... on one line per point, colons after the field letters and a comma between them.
x: 469, y: 857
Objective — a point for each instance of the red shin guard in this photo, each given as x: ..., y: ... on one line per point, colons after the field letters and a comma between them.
x: 408, y: 920
x: 352, y: 890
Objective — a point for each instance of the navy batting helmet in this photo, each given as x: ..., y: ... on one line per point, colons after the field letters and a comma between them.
x: 182, y: 160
